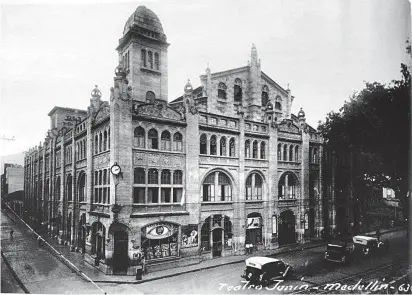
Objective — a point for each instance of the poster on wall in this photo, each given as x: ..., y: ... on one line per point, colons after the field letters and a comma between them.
x: 189, y: 235
x: 253, y: 222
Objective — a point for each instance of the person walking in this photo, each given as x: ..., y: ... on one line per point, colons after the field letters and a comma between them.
x: 11, y: 234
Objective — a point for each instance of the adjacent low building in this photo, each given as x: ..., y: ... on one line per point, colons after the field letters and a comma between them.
x: 198, y: 177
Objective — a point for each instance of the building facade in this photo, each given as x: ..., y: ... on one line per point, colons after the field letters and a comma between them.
x: 198, y: 177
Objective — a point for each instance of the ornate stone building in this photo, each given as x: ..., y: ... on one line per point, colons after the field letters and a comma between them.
x: 225, y: 164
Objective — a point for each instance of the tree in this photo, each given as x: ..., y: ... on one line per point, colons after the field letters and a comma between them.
x: 375, y: 126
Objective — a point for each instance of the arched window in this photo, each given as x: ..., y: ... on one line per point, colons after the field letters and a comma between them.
x: 69, y: 187
x: 143, y: 57
x: 153, y: 139
x: 165, y: 137
x: 315, y: 155
x: 203, y: 144
x: 217, y: 184
x: 255, y: 149
x: 279, y: 152
x: 153, y: 176
x: 265, y: 95
x: 237, y: 91
x: 105, y: 140
x: 177, y: 142
x: 57, y: 189
x: 165, y: 177
x: 213, y: 145
x: 150, y: 59
x: 287, y: 187
x: 82, y: 188
x: 254, y: 185
x: 223, y: 146
x: 247, y: 149
x: 232, y: 152
x: 100, y: 142
x: 221, y: 91
x: 291, y: 153
x: 278, y: 106
x: 139, y: 137
x: 262, y: 150
x: 178, y: 177
x: 254, y: 229
x: 150, y: 97
x: 156, y: 60
x: 139, y: 176
x: 285, y: 153
x: 224, y: 188
x: 296, y: 153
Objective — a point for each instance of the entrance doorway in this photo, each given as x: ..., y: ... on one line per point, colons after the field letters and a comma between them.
x: 217, y: 242
x: 120, y: 253
x: 287, y: 228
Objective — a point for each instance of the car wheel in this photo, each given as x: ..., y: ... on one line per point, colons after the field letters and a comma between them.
x: 265, y: 281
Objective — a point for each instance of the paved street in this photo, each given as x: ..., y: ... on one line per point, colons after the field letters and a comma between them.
x: 42, y: 272
x: 213, y: 281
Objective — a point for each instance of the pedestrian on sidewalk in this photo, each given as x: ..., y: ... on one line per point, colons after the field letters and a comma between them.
x: 378, y: 234
x: 11, y: 234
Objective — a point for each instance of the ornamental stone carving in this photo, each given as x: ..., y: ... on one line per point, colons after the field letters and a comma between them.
x: 156, y: 160
x: 101, y: 161
x: 158, y: 110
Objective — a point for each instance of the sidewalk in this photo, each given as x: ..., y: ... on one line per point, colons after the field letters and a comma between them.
x: 77, y: 264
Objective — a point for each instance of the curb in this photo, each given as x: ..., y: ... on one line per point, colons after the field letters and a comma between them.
x: 14, y: 275
x: 203, y: 268
x: 228, y: 263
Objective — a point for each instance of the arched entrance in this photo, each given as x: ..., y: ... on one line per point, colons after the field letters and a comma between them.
x: 287, y: 228
x: 217, y: 235
x: 120, y: 252
x: 81, y: 235
x: 254, y: 229
x: 311, y: 222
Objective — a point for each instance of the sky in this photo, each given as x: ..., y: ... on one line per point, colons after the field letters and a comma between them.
x: 53, y: 53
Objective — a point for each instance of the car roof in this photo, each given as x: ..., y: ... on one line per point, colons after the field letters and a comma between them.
x: 259, y: 261
x: 363, y: 239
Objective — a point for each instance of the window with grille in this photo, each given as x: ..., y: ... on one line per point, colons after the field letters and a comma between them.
x: 232, y: 152
x: 177, y: 142
x: 153, y: 139
x: 139, y: 137
x: 213, y: 147
x: 203, y: 144
x: 223, y: 146
x: 221, y: 91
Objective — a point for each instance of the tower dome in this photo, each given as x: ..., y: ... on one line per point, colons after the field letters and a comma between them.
x: 301, y: 113
x: 148, y: 23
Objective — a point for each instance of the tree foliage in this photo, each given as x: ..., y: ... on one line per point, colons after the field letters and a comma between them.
x: 375, y: 125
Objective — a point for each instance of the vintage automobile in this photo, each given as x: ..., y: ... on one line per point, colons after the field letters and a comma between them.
x: 263, y: 270
x: 339, y: 251
x: 367, y: 246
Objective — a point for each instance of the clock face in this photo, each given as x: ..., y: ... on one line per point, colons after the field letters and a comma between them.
x: 115, y: 169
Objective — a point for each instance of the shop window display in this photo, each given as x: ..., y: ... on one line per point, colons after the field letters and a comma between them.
x: 189, y: 236
x: 160, y: 240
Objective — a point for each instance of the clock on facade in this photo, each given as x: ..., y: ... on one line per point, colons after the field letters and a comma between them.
x: 115, y: 169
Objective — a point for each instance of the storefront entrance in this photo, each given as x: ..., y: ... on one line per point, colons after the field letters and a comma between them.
x: 217, y: 242
x: 120, y: 253
x: 287, y: 228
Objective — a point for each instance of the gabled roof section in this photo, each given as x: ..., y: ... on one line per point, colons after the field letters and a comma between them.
x: 274, y: 83
x: 55, y: 109
x: 231, y: 71
x: 180, y: 98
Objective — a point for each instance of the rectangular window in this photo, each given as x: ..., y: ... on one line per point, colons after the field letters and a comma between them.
x: 96, y: 195
x: 208, y: 192
x: 153, y: 195
x: 100, y: 195
x: 248, y: 193
x: 177, y: 195
x: 259, y: 193
x: 178, y: 146
x: 165, y: 195
x: 139, y: 195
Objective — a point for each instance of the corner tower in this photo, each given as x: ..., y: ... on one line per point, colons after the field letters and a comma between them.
x: 143, y: 52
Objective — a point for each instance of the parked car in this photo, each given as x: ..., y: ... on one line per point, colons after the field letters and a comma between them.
x: 368, y: 246
x: 263, y: 270
x: 339, y: 251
